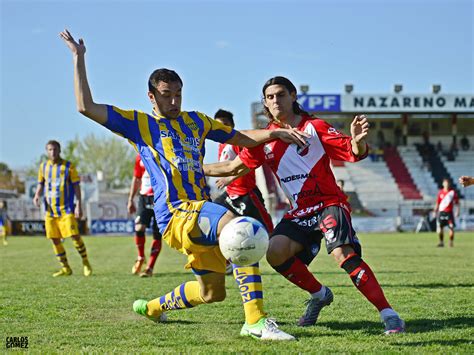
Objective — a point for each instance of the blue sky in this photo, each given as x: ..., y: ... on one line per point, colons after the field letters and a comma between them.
x: 223, y: 50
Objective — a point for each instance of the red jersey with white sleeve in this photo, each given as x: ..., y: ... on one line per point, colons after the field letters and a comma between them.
x: 305, y: 174
x: 141, y: 173
x: 242, y: 185
x: 446, y: 200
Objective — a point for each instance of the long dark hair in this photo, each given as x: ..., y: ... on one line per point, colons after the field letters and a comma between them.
x: 281, y: 80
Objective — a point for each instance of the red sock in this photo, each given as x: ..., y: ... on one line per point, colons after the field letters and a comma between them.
x: 155, y: 251
x: 365, y: 281
x: 140, y: 243
x: 297, y: 272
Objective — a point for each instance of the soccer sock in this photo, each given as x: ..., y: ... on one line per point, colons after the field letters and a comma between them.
x: 61, y: 254
x: 365, y: 281
x: 81, y: 248
x: 186, y: 295
x: 140, y: 243
x: 295, y: 271
x: 155, y: 251
x: 250, y: 286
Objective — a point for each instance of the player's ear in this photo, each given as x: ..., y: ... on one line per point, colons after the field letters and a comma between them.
x: 293, y: 96
x: 151, y: 96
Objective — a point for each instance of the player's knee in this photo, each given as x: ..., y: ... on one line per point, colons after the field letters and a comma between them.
x: 217, y: 294
x: 140, y: 233
x: 276, y: 256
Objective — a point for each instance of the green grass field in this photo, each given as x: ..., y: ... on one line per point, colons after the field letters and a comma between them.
x: 431, y: 288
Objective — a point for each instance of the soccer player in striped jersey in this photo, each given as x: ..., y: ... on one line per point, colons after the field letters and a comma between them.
x: 59, y: 181
x: 444, y: 207
x: 171, y: 144
x: 318, y: 208
x: 4, y: 222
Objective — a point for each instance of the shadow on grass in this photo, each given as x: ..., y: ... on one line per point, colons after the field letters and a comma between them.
x: 454, y: 342
x: 412, y: 326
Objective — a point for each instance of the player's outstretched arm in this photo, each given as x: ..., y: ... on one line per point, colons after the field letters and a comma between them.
x: 252, y: 138
x: 84, y: 102
x: 233, y: 167
x: 359, y: 130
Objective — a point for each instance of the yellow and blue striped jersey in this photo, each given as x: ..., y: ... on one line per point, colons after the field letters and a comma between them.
x: 58, y: 180
x: 172, y: 151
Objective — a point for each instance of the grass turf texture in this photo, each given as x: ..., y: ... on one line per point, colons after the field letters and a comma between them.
x: 431, y: 288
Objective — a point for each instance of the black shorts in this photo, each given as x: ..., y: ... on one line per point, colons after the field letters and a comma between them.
x: 251, y: 205
x: 145, y: 214
x: 332, y: 223
x: 446, y: 219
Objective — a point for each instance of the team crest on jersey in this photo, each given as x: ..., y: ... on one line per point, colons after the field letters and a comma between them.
x: 333, y: 131
x: 268, y: 152
x: 302, y: 151
x: 192, y: 125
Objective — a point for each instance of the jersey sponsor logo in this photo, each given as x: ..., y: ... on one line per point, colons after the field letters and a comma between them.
x: 307, y: 210
x: 298, y: 177
x: 306, y: 193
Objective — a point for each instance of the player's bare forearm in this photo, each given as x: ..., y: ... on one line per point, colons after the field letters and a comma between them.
x: 38, y: 193
x: 84, y: 102
x: 226, y: 168
x: 135, y: 185
x: 255, y: 137
x: 359, y: 148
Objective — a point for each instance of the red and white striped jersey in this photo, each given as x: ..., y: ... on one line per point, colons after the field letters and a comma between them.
x: 305, y: 174
x: 141, y: 173
x: 242, y: 185
x: 446, y: 200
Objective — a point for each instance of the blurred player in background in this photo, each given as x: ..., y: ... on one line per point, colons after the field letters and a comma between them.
x: 466, y: 181
x: 59, y: 180
x: 444, y: 207
x: 241, y: 195
x: 171, y: 145
x: 145, y: 214
x: 318, y: 207
x: 4, y: 222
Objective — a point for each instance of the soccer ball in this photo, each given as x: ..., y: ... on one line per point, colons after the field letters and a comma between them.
x: 243, y: 241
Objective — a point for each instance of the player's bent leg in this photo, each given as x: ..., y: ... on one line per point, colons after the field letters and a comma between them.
x: 81, y: 249
x: 208, y: 288
x: 366, y: 282
x: 61, y: 256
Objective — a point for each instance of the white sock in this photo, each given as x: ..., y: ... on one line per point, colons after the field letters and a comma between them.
x: 320, y: 294
x: 387, y: 312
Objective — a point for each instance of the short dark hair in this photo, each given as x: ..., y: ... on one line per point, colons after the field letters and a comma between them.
x: 163, y: 74
x: 281, y: 80
x: 225, y: 114
x: 54, y: 142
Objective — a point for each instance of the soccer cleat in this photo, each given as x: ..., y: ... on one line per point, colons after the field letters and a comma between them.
x: 314, y: 307
x: 147, y: 273
x: 394, y: 324
x: 140, y: 307
x: 440, y: 245
x: 137, y: 267
x: 64, y: 271
x: 451, y: 243
x: 87, y: 269
x: 265, y: 329
x: 5, y: 243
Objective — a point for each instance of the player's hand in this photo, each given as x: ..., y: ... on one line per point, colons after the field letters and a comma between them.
x: 359, y: 128
x: 131, y: 207
x: 36, y: 201
x: 222, y: 182
x: 78, y: 211
x: 466, y: 181
x: 292, y: 135
x: 76, y: 48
